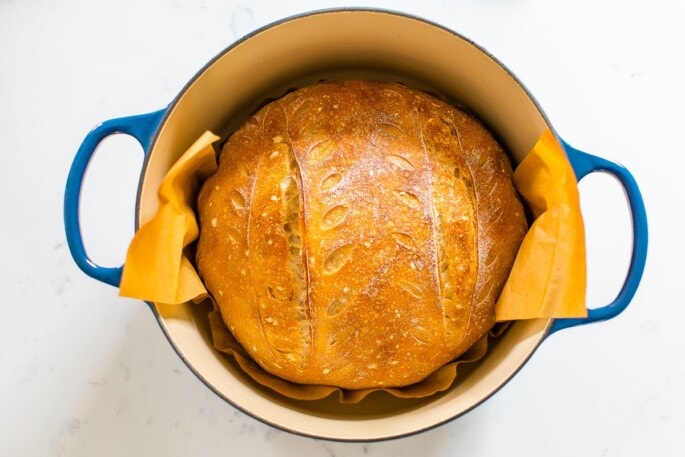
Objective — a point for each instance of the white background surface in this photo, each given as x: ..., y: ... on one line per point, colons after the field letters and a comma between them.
x: 84, y: 372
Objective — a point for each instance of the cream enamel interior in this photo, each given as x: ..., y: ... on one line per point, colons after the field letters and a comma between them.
x: 338, y: 44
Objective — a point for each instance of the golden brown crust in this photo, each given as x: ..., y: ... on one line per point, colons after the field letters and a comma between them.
x: 357, y: 234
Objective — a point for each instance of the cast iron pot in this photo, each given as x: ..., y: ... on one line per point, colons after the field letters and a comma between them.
x: 304, y: 49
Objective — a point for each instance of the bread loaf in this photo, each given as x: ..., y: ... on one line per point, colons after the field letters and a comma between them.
x: 357, y: 234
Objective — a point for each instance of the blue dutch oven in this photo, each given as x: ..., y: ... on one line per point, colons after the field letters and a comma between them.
x: 297, y: 51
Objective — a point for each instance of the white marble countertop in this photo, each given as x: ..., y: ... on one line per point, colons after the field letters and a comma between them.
x: 84, y: 372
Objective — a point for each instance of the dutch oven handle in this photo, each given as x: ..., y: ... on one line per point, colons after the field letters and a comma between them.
x: 584, y: 164
x: 141, y: 127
